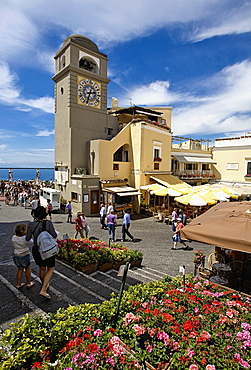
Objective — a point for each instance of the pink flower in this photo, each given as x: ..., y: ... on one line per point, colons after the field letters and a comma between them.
x: 210, y: 367
x: 193, y: 367
x: 149, y: 348
x: 138, y: 329
x: 164, y: 336
x: 130, y: 317
x: 117, y: 350
x: 205, y: 335
x: 97, y: 333
x: 110, y: 361
x: 190, y: 352
x: 196, y: 310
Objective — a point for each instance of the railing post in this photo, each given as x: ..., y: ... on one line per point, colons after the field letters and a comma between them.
x: 121, y: 292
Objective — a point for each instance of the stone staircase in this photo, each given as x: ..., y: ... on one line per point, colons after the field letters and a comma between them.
x: 68, y: 287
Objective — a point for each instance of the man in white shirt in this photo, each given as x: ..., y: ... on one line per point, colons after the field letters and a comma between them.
x: 102, y: 213
x: 125, y: 226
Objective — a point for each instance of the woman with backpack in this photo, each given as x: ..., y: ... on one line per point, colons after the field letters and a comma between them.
x: 46, y: 266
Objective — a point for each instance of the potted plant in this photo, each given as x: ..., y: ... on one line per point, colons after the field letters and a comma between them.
x: 119, y: 258
x: 135, y: 257
x: 105, y: 259
x: 86, y: 262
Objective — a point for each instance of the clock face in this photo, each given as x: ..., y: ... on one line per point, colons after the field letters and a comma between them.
x: 89, y: 92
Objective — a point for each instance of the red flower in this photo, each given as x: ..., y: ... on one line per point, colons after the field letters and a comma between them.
x: 37, y: 365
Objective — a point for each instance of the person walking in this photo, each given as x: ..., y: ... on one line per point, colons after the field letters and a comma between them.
x: 21, y: 256
x: 174, y: 219
x: 111, y: 224
x: 84, y: 224
x: 79, y: 226
x: 125, y: 226
x: 46, y: 266
x: 110, y: 208
x: 102, y: 213
x: 68, y: 208
x: 177, y: 237
x: 49, y: 209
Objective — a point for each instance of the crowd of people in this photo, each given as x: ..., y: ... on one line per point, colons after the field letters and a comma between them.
x: 108, y: 220
x: 20, y: 192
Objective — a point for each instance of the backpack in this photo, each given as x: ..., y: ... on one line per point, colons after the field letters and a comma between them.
x: 50, y: 207
x: 47, y: 245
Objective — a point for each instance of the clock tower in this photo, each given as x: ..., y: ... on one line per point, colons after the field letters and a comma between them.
x: 80, y: 113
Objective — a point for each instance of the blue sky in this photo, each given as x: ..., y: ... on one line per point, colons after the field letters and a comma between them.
x: 192, y: 55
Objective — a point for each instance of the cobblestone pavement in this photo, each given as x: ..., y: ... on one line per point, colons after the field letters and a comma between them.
x: 153, y: 238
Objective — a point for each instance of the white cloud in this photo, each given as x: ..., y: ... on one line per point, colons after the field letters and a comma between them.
x: 10, y: 93
x: 156, y: 93
x: 3, y: 146
x: 45, y: 133
x: 224, y: 111
x: 230, y: 21
x: 23, y: 24
x: 227, y: 109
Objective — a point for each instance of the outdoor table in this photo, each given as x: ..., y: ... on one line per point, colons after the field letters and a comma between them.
x: 219, y: 280
x: 221, y: 268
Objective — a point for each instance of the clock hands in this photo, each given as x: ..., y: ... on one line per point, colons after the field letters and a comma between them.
x: 89, y: 93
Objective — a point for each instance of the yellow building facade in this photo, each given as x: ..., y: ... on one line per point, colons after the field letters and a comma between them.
x: 233, y: 159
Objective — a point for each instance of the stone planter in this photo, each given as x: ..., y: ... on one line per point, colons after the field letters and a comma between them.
x: 105, y: 267
x: 88, y: 269
x: 136, y: 263
x: 117, y: 265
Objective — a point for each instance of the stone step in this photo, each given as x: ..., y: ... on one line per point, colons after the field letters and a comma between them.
x: 68, y: 287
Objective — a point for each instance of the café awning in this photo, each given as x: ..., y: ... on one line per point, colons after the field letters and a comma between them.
x: 122, y: 191
x: 190, y: 159
x: 167, y: 180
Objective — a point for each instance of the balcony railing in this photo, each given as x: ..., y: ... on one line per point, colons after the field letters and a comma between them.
x: 191, y: 174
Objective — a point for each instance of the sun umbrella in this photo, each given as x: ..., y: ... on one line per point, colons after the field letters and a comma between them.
x: 156, y: 187
x: 167, y: 191
x: 227, y: 224
x: 195, y: 200
x: 215, y: 194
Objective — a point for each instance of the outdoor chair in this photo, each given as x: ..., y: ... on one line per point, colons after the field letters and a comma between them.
x: 204, y: 272
x: 215, y: 258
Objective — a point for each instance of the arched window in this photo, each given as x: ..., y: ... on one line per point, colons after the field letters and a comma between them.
x: 88, y: 64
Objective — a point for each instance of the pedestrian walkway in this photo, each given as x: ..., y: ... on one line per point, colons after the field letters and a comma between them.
x: 70, y: 287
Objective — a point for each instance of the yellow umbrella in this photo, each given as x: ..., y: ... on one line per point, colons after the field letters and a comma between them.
x: 232, y: 194
x: 188, y: 190
x: 215, y: 194
x: 195, y: 199
x: 154, y: 187
x: 167, y: 191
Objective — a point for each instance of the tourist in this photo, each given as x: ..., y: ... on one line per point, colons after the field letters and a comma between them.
x: 182, y: 216
x: 177, y: 237
x: 46, y: 267
x: 68, y: 208
x: 49, y: 209
x: 110, y: 208
x: 22, y: 256
x: 102, y: 213
x: 79, y: 225
x: 84, y: 224
x: 34, y: 205
x: 125, y: 226
x: 111, y: 224
x: 174, y: 219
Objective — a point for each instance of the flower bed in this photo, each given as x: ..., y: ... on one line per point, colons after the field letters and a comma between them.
x: 199, y: 327
x: 84, y: 252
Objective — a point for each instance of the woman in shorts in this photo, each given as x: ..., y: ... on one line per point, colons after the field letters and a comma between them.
x: 46, y: 267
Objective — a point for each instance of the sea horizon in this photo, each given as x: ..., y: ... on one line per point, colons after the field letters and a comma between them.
x: 27, y: 174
